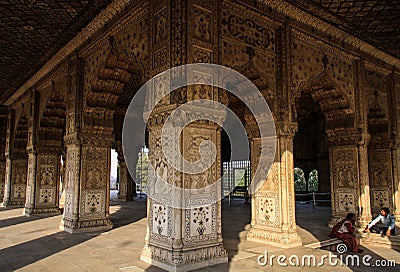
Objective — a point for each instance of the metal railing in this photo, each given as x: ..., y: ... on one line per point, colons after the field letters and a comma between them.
x: 315, y: 197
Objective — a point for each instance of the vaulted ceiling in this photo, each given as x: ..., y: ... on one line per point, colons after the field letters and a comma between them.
x: 32, y: 31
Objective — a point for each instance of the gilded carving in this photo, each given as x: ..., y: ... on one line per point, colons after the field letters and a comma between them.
x: 201, y: 55
x: 248, y: 30
x: 380, y: 168
x: 161, y: 26
x: 160, y: 59
x: 95, y: 166
x: 202, y: 24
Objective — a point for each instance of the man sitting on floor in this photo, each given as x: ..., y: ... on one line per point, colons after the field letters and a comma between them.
x: 388, y: 221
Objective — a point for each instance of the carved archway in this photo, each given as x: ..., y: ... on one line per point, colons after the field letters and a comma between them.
x: 348, y: 160
x: 120, y: 69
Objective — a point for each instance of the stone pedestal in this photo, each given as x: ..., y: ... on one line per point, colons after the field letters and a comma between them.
x: 273, y: 205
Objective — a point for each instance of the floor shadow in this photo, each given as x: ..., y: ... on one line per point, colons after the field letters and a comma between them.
x: 129, y: 212
x: 23, y: 219
x: 313, y: 220
x: 23, y: 254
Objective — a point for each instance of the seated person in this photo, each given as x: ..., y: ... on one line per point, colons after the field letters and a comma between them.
x: 388, y: 221
x: 346, y: 233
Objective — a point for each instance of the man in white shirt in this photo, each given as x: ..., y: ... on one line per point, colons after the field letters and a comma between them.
x: 388, y: 221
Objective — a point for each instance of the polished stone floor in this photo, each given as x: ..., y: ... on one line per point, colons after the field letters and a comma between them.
x: 36, y: 243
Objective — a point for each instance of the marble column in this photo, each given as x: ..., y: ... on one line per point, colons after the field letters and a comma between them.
x: 87, y: 183
x: 350, y: 188
x: 16, y: 161
x: 396, y: 180
x: 273, y: 205
x: 180, y: 239
x: 3, y: 134
x: 125, y: 182
x: 44, y: 154
x: 88, y: 141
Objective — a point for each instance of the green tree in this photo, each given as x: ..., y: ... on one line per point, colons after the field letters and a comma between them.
x: 313, y: 181
x: 299, y: 180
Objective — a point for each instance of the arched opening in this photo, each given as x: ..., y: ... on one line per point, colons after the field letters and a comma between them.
x: 311, y: 172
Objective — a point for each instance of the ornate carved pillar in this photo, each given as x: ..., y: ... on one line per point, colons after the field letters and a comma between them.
x: 273, y: 205
x: 16, y: 161
x: 3, y: 134
x: 395, y: 150
x: 45, y: 146
x: 184, y: 239
x: 87, y: 183
x: 364, y: 202
x: 88, y: 143
x: 396, y: 180
x: 350, y: 188
x: 127, y: 185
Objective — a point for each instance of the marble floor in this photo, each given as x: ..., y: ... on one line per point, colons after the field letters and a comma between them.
x: 36, y: 243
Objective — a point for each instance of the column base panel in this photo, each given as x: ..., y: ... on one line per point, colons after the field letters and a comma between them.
x: 91, y: 225
x: 188, y: 260
x: 13, y: 204
x: 43, y: 211
x: 274, y: 238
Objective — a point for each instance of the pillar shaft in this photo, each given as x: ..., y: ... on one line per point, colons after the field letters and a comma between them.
x: 125, y: 182
x: 87, y: 184
x: 273, y: 205
x: 16, y: 161
x: 184, y: 239
x: 3, y: 135
x: 350, y: 187
x: 43, y: 162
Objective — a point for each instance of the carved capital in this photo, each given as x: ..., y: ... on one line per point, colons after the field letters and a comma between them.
x: 286, y: 129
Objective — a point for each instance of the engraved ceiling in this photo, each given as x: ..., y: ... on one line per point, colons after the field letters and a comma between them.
x: 374, y: 21
x: 32, y: 31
